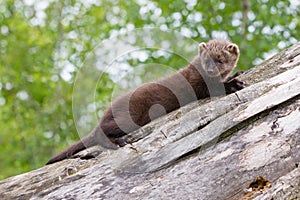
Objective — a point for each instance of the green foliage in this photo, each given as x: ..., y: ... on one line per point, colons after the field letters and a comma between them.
x: 44, y: 43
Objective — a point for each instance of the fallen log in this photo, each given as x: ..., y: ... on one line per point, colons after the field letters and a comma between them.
x: 242, y: 146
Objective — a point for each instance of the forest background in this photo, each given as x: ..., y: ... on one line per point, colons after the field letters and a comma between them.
x: 44, y: 43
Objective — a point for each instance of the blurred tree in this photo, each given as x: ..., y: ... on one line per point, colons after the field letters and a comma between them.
x: 43, y: 43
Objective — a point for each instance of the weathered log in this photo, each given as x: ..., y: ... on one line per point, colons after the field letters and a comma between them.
x: 242, y: 146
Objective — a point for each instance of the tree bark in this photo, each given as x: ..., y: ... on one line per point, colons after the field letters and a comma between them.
x: 241, y: 146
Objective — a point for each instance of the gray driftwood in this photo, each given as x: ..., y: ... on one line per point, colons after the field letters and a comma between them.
x: 242, y: 146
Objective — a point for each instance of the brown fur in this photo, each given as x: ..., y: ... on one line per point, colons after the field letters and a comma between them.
x: 213, y: 64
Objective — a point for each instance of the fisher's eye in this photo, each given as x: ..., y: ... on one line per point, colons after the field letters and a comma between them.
x: 220, y: 62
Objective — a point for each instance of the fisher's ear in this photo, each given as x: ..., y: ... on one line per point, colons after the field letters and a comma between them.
x: 233, y: 48
x: 202, y: 47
